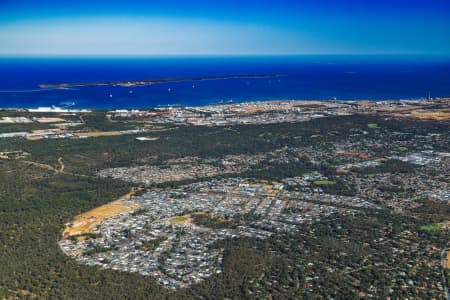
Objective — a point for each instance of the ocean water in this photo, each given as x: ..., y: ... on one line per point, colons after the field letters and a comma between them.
x: 303, y: 77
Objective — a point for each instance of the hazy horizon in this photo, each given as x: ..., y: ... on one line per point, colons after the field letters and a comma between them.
x: 233, y: 28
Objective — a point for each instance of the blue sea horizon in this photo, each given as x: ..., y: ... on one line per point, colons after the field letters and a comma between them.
x: 303, y: 78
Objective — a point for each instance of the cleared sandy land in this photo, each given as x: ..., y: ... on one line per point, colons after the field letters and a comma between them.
x: 13, y: 120
x: 33, y: 137
x: 39, y: 165
x: 306, y: 103
x: 44, y: 131
x: 355, y: 154
x: 427, y: 115
x: 98, y: 133
x: 447, y: 262
x: 50, y: 120
x: 14, y: 154
x: 85, y: 223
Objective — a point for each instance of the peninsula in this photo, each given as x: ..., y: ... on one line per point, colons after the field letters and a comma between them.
x: 145, y: 82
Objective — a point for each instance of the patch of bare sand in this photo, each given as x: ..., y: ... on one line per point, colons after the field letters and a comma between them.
x: 431, y: 115
x: 50, y: 120
x: 84, y: 223
x: 98, y: 133
x: 447, y: 262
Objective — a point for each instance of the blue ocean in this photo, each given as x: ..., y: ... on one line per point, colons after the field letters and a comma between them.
x: 302, y: 77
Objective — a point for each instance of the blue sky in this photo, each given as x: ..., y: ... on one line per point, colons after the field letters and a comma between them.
x: 245, y: 27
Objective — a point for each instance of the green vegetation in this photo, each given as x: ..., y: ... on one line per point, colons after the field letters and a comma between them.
x: 324, y: 182
x: 242, y: 204
x: 178, y: 219
x: 216, y: 222
x: 99, y: 249
x: 151, y: 245
x: 432, y: 211
x: 373, y: 126
x: 35, y: 203
x: 389, y: 166
x: 322, y: 273
x: 310, y: 175
x: 430, y: 227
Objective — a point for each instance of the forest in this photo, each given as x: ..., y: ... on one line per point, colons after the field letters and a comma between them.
x: 35, y: 203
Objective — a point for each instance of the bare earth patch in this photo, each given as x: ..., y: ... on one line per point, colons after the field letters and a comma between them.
x: 50, y: 120
x: 33, y: 138
x: 438, y: 115
x: 98, y: 133
x: 447, y: 262
x: 85, y: 222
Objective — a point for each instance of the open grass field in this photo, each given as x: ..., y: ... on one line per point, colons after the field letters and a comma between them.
x: 372, y: 126
x: 179, y: 219
x: 431, y: 227
x: 324, y: 182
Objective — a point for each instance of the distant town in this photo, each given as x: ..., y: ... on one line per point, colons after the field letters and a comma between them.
x: 64, y: 121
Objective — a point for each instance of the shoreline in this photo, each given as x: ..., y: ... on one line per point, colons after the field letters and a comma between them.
x: 212, y: 104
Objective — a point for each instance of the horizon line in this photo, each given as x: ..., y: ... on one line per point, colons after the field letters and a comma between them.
x: 231, y: 55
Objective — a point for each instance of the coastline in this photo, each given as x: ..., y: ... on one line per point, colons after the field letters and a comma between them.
x: 142, y: 84
x: 78, y: 108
